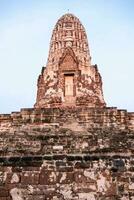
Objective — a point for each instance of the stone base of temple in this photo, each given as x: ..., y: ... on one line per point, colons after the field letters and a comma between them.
x: 90, y: 117
x: 67, y: 153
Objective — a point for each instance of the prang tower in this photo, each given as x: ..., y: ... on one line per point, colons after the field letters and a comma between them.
x: 69, y: 79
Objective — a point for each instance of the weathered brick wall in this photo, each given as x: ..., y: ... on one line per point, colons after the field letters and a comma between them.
x: 98, y: 118
x: 70, y: 153
x: 67, y: 177
x: 54, y: 140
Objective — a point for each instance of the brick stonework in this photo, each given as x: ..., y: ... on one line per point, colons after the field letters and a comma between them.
x: 69, y: 56
x: 70, y: 146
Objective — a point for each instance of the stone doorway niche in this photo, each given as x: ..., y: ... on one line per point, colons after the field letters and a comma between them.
x: 69, y: 89
x: 69, y: 85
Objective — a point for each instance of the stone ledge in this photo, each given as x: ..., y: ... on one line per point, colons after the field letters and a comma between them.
x: 96, y: 117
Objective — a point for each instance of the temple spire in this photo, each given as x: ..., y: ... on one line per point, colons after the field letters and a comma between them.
x: 69, y: 78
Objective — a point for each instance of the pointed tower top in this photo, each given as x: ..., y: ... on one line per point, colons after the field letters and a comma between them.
x: 69, y: 31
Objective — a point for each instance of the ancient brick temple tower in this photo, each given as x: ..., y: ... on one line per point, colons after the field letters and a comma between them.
x: 69, y: 146
x: 69, y: 79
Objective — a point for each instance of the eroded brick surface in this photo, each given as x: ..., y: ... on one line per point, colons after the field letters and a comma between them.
x: 98, y: 178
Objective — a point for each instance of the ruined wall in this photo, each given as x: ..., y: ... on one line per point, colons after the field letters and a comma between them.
x: 81, y: 153
x: 67, y: 177
x: 97, y: 118
x: 52, y: 139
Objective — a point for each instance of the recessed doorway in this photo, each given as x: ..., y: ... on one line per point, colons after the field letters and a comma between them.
x: 69, y: 85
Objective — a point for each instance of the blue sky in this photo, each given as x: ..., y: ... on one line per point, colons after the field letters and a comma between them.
x: 25, y: 31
